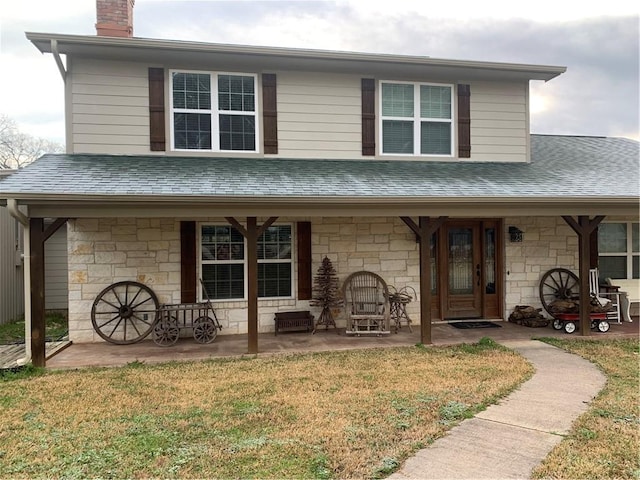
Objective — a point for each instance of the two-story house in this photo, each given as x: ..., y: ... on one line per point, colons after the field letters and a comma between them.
x: 245, y: 166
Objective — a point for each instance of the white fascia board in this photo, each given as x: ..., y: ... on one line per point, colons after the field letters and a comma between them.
x: 196, y: 207
x: 90, y: 44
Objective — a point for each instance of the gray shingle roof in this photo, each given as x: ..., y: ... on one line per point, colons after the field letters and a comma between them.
x: 561, y: 166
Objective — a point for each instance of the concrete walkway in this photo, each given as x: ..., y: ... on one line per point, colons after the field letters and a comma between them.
x: 510, y: 439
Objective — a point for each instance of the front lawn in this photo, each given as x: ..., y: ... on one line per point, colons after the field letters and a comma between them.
x: 604, y: 442
x: 354, y: 414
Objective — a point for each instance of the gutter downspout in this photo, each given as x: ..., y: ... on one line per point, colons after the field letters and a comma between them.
x: 15, y: 212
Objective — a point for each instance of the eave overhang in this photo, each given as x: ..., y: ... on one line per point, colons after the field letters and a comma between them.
x: 157, y: 51
x: 317, y: 206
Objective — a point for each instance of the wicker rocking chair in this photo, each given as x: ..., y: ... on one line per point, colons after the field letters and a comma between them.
x: 366, y: 300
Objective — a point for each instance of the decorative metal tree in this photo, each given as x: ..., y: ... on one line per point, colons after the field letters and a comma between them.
x: 326, y: 293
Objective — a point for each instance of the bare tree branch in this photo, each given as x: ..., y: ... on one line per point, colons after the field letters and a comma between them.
x: 18, y: 149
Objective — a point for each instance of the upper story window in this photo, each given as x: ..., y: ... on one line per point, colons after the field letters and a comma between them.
x: 213, y: 111
x: 417, y: 118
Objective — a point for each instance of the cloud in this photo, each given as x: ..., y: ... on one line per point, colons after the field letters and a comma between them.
x: 598, y: 43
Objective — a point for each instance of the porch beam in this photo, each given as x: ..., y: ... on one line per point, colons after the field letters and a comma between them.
x: 412, y: 225
x: 266, y: 225
x: 237, y: 225
x: 54, y: 227
x: 584, y: 227
x: 36, y: 263
x: 251, y: 233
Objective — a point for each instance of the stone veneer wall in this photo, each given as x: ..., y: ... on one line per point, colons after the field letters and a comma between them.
x: 104, y: 251
x: 548, y: 242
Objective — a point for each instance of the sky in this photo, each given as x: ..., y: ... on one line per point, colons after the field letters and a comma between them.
x: 598, y: 43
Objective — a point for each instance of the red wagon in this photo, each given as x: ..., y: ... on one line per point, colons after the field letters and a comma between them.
x: 569, y: 322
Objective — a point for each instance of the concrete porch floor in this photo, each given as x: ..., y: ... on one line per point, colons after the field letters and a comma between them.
x: 105, y: 354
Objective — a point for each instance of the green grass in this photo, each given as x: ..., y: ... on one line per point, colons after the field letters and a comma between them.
x: 352, y: 414
x: 604, y: 442
x: 56, y: 326
x: 356, y: 414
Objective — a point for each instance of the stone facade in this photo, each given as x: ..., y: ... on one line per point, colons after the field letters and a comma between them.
x: 104, y: 251
x: 548, y: 242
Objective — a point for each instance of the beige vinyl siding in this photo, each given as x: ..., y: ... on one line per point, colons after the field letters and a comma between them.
x: 110, y: 107
x: 319, y: 115
x: 11, y: 273
x: 499, y: 121
x: 56, y: 290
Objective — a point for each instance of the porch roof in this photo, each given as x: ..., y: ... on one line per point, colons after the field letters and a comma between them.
x: 579, y: 175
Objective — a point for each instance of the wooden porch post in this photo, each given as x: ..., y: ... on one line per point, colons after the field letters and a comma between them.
x: 251, y: 234
x: 36, y: 246
x: 584, y: 227
x: 424, y: 230
x: 37, y: 236
x: 252, y: 284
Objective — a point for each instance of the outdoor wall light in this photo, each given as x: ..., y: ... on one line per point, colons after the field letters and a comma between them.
x: 515, y: 234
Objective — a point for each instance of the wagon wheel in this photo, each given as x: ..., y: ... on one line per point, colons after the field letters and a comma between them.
x: 558, y: 284
x: 204, y: 330
x: 166, y: 332
x: 570, y: 327
x: 603, y: 326
x: 125, y: 312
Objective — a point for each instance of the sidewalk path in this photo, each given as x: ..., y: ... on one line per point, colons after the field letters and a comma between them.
x: 510, y: 439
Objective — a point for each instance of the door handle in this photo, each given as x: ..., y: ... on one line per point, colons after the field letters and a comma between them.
x: 478, y: 273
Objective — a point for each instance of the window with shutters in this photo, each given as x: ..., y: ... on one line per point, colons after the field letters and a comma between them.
x: 416, y: 118
x: 223, y: 264
x: 213, y: 111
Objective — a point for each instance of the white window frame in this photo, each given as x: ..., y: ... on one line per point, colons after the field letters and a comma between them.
x: 629, y: 254
x: 245, y: 297
x: 214, y: 111
x: 417, y: 119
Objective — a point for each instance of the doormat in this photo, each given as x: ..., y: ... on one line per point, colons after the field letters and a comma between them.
x: 463, y: 325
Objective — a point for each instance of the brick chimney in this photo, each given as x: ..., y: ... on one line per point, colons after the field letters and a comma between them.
x: 115, y: 18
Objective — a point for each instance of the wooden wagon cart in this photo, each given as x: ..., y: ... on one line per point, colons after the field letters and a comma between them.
x: 127, y: 312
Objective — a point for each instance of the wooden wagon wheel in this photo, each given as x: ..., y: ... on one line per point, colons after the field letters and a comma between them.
x: 125, y: 312
x: 166, y: 332
x: 204, y: 330
x: 558, y: 284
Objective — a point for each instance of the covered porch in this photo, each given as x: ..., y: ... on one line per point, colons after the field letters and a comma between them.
x: 145, y: 226
x: 235, y: 346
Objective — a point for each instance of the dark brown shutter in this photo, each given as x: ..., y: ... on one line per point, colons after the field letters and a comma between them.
x: 304, y: 260
x: 188, y: 262
x: 368, y: 116
x: 156, y: 110
x: 464, y: 121
x: 269, y: 113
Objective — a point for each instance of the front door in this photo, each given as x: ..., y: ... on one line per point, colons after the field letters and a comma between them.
x: 463, y: 270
